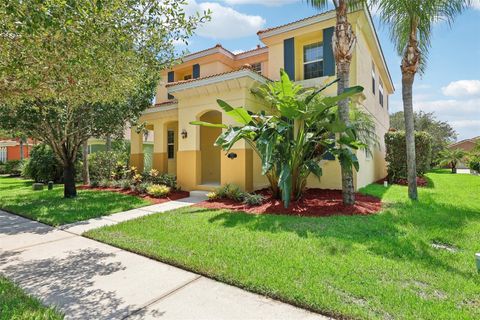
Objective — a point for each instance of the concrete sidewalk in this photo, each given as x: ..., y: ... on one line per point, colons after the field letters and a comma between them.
x: 87, y: 279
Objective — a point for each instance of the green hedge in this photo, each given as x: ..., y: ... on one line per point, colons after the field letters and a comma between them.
x: 102, y: 164
x: 42, y: 166
x: 397, y: 154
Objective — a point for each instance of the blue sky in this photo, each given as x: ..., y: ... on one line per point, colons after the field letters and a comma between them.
x: 450, y: 86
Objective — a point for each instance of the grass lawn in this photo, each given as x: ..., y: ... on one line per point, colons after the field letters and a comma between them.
x: 16, y: 304
x: 49, y: 206
x: 372, y: 267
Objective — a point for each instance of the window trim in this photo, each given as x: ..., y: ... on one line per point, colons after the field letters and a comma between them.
x: 374, y: 79
x: 4, y: 152
x: 320, y: 44
x: 257, y: 63
x: 171, y: 144
x: 381, y: 96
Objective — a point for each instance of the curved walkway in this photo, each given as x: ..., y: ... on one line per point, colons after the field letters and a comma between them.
x: 87, y: 279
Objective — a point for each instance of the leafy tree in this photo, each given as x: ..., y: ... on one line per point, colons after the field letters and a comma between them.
x: 344, y: 41
x: 411, y: 25
x: 451, y: 157
x: 72, y: 69
x: 293, y: 135
x: 441, y: 132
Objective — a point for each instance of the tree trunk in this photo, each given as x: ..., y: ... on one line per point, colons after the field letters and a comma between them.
x: 85, y: 173
x: 69, y: 188
x: 343, y: 44
x: 22, y: 154
x: 108, y: 143
x: 407, y: 87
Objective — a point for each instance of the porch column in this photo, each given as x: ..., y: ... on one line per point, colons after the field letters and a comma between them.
x: 136, y: 150
x: 238, y: 171
x: 160, y: 147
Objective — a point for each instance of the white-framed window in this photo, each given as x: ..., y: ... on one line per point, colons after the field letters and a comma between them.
x: 257, y: 67
x: 171, y: 144
x: 374, y: 81
x: 380, y: 93
x: 313, y: 60
x: 3, y: 154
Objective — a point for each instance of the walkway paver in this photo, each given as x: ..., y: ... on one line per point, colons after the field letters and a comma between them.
x: 87, y: 279
x: 84, y: 226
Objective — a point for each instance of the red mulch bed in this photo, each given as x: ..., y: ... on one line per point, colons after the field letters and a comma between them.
x: 421, y: 181
x: 174, y: 195
x: 314, y: 203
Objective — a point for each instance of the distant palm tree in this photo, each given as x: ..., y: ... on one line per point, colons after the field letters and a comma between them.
x: 344, y: 41
x: 451, y: 157
x: 411, y: 23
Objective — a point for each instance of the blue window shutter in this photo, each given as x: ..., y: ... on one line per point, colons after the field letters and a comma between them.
x: 328, y: 58
x: 171, y: 78
x: 289, y: 57
x: 196, y: 71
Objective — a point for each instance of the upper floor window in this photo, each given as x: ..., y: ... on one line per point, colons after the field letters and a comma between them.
x: 373, y: 78
x: 380, y: 93
x: 313, y: 61
x: 187, y: 77
x: 257, y: 67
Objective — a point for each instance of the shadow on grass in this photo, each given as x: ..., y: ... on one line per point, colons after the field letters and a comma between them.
x: 394, y: 233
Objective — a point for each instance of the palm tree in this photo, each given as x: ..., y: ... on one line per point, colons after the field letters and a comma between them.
x: 451, y: 157
x: 411, y: 25
x: 344, y: 41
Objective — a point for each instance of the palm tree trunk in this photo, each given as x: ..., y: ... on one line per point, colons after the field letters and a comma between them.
x: 85, y: 173
x: 407, y: 87
x: 410, y: 65
x: 343, y: 43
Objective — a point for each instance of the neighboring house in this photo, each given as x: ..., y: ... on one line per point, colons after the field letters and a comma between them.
x: 10, y: 149
x: 304, y: 49
x: 466, y: 145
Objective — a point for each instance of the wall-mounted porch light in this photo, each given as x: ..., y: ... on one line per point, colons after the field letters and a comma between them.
x: 184, y: 134
x: 232, y: 155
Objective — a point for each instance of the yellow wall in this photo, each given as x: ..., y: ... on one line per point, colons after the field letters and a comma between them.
x: 210, y: 154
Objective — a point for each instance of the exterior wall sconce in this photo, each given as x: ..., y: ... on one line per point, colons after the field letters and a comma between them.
x: 184, y: 134
x: 232, y: 155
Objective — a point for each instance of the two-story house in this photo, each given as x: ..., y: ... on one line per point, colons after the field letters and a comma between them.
x: 303, y: 48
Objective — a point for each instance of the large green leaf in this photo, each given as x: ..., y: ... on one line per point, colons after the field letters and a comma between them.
x: 285, y: 183
x: 208, y: 124
x: 240, y: 115
x: 225, y: 106
x: 347, y: 93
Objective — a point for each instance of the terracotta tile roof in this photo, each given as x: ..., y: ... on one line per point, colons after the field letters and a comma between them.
x: 244, y: 67
x: 294, y: 22
x: 165, y: 103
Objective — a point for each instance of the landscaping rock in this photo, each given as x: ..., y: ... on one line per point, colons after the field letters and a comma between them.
x: 38, y: 186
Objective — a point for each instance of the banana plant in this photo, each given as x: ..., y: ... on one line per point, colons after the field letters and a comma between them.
x: 292, y: 135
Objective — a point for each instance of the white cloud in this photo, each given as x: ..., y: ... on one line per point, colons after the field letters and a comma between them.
x: 270, y: 3
x: 226, y: 23
x: 476, y: 4
x: 462, y: 88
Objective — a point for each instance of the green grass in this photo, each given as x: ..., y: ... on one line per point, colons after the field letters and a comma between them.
x: 17, y: 305
x: 372, y: 267
x: 49, y: 206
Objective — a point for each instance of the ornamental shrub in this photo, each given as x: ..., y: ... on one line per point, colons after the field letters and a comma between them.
x: 397, y: 154
x: 230, y: 191
x: 42, y: 166
x: 474, y: 163
x: 13, y: 167
x: 153, y: 176
x: 253, y: 199
x: 158, y: 190
x: 103, y: 164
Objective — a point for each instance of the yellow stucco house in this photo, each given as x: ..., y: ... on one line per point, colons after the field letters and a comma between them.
x: 303, y: 48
